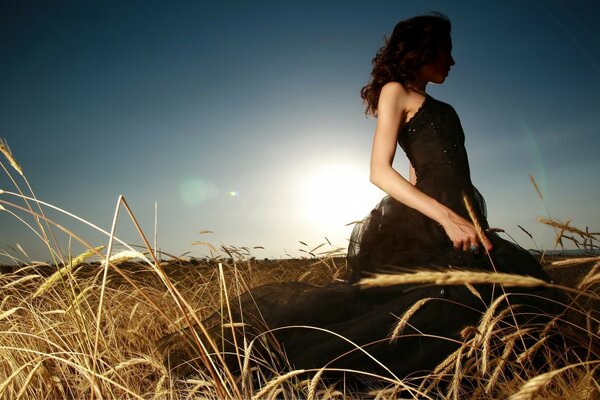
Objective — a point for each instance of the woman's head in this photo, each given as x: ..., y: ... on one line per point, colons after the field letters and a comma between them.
x: 415, y: 42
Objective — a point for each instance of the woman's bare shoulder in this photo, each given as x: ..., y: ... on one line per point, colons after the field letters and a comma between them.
x: 394, y: 86
x: 393, y: 94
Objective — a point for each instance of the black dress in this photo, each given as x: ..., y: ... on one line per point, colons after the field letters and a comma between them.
x: 394, y: 236
x: 344, y: 325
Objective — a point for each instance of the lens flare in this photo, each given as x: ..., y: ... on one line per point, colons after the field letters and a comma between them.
x: 536, y: 152
x: 194, y: 190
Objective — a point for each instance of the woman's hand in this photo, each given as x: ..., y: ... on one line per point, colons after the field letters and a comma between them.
x: 462, y: 233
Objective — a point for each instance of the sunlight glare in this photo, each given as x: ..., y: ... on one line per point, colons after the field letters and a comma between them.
x: 335, y: 195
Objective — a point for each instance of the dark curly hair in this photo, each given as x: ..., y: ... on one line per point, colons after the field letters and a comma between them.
x: 414, y: 43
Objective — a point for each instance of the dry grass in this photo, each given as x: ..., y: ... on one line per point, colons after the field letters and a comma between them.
x: 86, y: 327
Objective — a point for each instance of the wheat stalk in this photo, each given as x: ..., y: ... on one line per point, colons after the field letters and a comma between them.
x: 590, y: 277
x: 531, y: 388
x: 564, y: 226
x: 404, y: 320
x: 457, y: 376
x: 312, y: 387
x: 474, y: 219
x: 485, y: 324
x: 576, y: 261
x: 4, y: 149
x: 454, y: 277
x: 501, y: 361
x: 123, y: 256
x: 525, y: 355
x: 472, y: 289
x: 61, y: 272
x: 536, y: 187
x: 275, y: 382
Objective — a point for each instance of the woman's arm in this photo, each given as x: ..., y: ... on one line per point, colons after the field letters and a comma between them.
x: 412, y: 176
x: 391, y: 116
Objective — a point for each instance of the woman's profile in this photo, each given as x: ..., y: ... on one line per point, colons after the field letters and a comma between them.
x: 422, y: 224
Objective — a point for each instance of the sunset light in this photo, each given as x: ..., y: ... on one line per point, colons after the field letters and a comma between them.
x: 187, y: 206
x: 335, y: 195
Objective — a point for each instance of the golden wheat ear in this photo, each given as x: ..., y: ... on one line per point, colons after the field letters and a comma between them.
x: 4, y: 149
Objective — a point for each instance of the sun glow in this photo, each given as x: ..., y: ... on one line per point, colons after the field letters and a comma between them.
x: 335, y: 195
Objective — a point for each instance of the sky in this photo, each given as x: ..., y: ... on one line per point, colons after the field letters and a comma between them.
x: 244, y: 118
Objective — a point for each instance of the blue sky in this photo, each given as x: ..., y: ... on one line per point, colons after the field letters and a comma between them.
x: 244, y: 118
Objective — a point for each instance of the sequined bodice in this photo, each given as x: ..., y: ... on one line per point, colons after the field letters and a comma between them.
x: 433, y: 140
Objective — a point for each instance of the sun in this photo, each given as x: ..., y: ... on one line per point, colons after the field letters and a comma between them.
x: 338, y: 194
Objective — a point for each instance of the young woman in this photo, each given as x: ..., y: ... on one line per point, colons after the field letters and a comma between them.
x: 424, y: 221
x: 422, y: 224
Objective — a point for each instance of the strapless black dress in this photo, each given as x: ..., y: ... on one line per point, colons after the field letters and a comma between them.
x: 395, y: 237
x: 347, y: 326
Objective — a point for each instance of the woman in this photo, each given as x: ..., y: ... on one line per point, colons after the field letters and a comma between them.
x: 423, y: 223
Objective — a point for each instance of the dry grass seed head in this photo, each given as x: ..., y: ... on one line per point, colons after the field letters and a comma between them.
x: 454, y: 389
x: 565, y: 227
x: 591, y: 277
x: 473, y: 216
x: 484, y: 325
x: 587, y: 386
x: 489, y: 331
x: 399, y: 328
x: 469, y: 331
x: 454, y: 277
x: 4, y: 149
x: 531, y: 388
x: 527, y: 353
x: 274, y: 383
x: 314, y: 382
x: 536, y: 187
x: 126, y: 255
x: 501, y: 361
x: 61, y: 273
x: 443, y: 368
x: 331, y: 392
x: 472, y: 289
x: 198, y: 384
x: 9, y: 312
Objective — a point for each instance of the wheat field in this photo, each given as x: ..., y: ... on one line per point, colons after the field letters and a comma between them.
x: 86, y: 326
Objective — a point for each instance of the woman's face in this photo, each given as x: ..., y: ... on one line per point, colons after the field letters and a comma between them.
x: 437, y: 70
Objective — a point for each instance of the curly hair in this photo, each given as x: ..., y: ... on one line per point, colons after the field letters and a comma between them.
x: 413, y: 43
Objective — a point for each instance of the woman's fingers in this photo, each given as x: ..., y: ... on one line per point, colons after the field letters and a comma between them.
x: 475, y: 245
x: 470, y: 244
x: 463, y: 235
x: 466, y: 239
x: 487, y: 243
